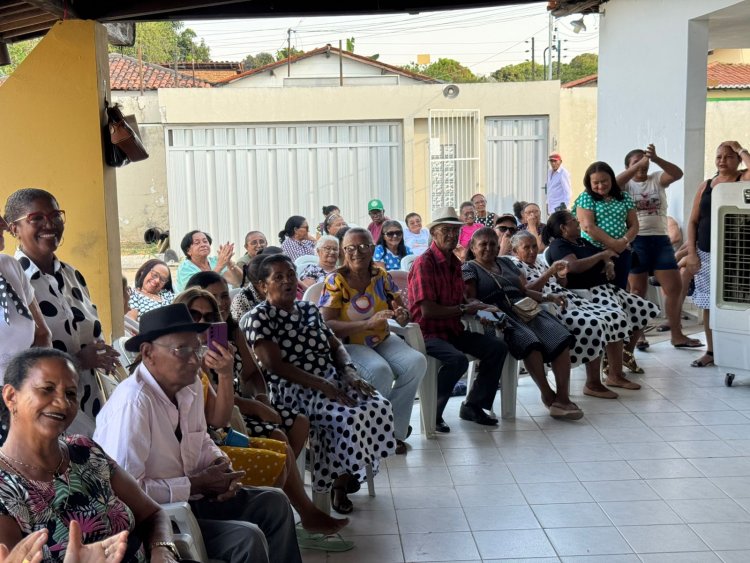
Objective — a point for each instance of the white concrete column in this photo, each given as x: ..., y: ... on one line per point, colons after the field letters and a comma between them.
x: 652, y: 86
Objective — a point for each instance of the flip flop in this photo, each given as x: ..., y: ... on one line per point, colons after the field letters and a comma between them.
x: 642, y: 344
x: 560, y: 413
x: 320, y: 542
x: 345, y: 507
x: 691, y: 343
x: 663, y: 328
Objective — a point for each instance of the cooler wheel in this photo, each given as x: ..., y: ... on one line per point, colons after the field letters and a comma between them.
x: 729, y: 379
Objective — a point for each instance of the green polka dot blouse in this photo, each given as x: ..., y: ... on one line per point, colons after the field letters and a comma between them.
x: 610, y: 215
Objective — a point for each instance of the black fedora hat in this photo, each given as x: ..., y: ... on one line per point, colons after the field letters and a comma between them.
x: 164, y: 320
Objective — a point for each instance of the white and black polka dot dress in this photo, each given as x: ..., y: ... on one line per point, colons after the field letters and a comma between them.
x: 638, y: 309
x: 344, y: 439
x: 593, y: 325
x: 73, y: 321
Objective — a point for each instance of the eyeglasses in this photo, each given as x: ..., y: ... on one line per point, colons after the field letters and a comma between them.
x: 363, y: 248
x: 504, y: 229
x: 259, y: 242
x: 185, y: 352
x: 394, y: 234
x: 329, y: 249
x: 154, y: 275
x: 200, y: 316
x: 38, y: 218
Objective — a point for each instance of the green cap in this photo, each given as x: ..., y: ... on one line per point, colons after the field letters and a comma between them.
x: 375, y: 205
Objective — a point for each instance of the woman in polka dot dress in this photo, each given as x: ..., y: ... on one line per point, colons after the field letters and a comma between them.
x: 591, y: 268
x: 390, y: 247
x: 309, y: 369
x: 38, y: 223
x: 608, y: 217
x: 596, y: 327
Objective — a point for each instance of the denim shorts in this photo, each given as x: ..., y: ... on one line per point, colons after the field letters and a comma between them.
x: 654, y: 253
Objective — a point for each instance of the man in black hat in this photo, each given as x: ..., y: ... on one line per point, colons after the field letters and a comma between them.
x: 154, y: 426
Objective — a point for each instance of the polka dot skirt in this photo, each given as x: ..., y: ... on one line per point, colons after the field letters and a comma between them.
x: 344, y: 439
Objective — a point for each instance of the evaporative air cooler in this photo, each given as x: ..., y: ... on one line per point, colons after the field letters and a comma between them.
x: 730, y: 278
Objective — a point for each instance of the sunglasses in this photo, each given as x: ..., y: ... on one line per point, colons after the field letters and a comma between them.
x: 363, y: 248
x: 38, y: 218
x: 199, y: 316
x: 394, y: 234
x: 504, y: 229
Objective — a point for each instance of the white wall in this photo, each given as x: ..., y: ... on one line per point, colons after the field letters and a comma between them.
x: 652, y: 85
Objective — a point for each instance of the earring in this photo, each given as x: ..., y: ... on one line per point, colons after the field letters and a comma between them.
x: 14, y: 412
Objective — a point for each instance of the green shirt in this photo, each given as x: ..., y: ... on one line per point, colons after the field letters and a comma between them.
x: 611, y: 216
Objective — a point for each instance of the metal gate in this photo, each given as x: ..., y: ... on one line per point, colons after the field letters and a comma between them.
x: 229, y: 180
x: 454, y: 156
x: 516, y: 161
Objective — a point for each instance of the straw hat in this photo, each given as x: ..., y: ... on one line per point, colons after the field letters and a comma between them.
x: 445, y: 216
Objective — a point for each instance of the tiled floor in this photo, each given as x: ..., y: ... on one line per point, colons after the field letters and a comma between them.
x: 659, y: 475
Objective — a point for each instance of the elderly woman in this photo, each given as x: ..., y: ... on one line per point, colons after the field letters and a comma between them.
x: 505, y: 228
x: 356, y: 303
x: 21, y: 322
x: 327, y: 248
x: 595, y: 327
x: 295, y: 240
x: 608, y: 217
x: 38, y: 224
x: 591, y: 268
x: 51, y: 482
x: 333, y: 224
x: 729, y: 156
x: 532, y: 222
x: 310, y: 370
x: 542, y: 339
x: 328, y: 210
x: 197, y: 247
x: 267, y: 462
x: 390, y: 247
x: 483, y: 217
x: 153, y: 288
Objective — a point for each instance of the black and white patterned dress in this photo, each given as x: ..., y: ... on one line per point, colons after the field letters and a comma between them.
x: 344, y: 439
x: 143, y: 303
x: 74, y: 323
x: 593, y: 325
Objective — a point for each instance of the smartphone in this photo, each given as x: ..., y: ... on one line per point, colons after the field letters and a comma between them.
x: 217, y: 333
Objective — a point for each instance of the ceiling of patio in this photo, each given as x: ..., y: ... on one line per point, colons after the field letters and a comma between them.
x: 730, y: 28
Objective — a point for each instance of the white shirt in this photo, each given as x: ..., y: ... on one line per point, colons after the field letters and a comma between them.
x: 558, y: 189
x: 19, y: 334
x: 419, y: 242
x: 137, y: 428
x: 650, y: 199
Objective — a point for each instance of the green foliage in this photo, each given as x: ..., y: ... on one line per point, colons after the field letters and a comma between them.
x: 18, y: 52
x: 447, y: 70
x: 282, y: 53
x: 580, y: 66
x: 162, y: 42
x: 350, y: 44
x: 255, y: 61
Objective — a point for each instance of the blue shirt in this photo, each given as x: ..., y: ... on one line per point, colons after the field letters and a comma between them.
x: 391, y: 261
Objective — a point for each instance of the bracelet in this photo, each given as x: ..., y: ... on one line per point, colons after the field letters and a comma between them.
x: 167, y: 545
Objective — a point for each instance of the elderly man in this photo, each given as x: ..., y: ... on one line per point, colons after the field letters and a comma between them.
x: 376, y: 211
x: 558, y: 185
x: 505, y: 227
x: 437, y: 303
x: 154, y: 426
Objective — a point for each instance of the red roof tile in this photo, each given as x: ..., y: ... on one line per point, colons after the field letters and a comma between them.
x: 726, y: 76
x: 328, y: 48
x: 589, y: 80
x: 124, y: 74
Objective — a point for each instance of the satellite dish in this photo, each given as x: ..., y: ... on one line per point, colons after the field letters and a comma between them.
x: 578, y: 26
x: 450, y: 91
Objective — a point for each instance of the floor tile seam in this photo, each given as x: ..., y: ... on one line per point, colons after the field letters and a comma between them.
x: 549, y: 539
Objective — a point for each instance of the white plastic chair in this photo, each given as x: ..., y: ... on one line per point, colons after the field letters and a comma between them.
x: 126, y: 358
x: 407, y: 261
x: 189, y: 540
x: 312, y: 293
x: 303, y: 261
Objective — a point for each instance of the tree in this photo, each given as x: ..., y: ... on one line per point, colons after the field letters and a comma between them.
x: 256, y: 61
x: 585, y: 64
x: 447, y: 70
x: 580, y: 66
x: 162, y: 42
x: 350, y: 44
x: 282, y: 53
x: 517, y: 73
x: 18, y: 52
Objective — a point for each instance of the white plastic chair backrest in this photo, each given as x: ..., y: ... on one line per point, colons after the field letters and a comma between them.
x: 107, y: 383
x: 407, y: 261
x: 132, y: 327
x: 126, y: 358
x: 312, y: 294
x: 546, y: 257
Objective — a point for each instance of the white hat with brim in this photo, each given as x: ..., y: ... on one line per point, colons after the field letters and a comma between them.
x: 445, y: 216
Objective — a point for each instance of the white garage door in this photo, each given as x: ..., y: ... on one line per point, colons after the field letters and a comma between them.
x: 229, y: 180
x: 516, y: 161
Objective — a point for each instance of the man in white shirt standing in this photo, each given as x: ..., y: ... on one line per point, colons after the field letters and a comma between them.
x: 154, y: 426
x: 558, y: 185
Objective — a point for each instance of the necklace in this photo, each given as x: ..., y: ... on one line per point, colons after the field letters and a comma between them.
x: 12, y: 462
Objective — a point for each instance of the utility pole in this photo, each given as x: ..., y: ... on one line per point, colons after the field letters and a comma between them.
x: 559, y: 56
x: 550, y: 47
x: 533, y: 61
x: 289, y: 52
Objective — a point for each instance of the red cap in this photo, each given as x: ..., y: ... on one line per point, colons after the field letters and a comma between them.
x: 556, y: 156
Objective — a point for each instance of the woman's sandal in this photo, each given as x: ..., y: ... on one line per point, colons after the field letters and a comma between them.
x: 346, y: 506
x: 557, y: 411
x: 703, y: 364
x: 628, y: 360
x: 321, y: 542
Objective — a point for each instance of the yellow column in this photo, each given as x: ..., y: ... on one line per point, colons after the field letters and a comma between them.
x: 51, y: 119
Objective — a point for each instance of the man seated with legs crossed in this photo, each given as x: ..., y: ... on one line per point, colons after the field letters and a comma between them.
x: 154, y: 426
x: 437, y: 303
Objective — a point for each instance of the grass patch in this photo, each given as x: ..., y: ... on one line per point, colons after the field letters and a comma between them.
x: 131, y: 248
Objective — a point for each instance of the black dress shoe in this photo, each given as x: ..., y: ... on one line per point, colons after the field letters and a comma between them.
x: 442, y: 427
x: 475, y: 414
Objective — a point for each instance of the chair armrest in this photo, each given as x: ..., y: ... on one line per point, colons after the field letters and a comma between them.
x: 411, y: 333
x: 181, y: 515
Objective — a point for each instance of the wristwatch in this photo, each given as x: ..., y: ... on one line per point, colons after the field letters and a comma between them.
x: 168, y: 545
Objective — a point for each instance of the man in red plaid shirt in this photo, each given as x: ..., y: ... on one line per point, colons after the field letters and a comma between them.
x: 437, y: 303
